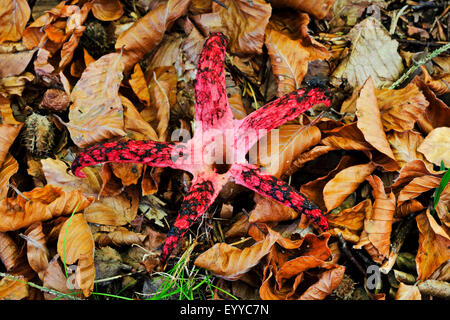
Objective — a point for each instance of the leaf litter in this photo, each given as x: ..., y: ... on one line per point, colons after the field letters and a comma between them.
x: 76, y: 74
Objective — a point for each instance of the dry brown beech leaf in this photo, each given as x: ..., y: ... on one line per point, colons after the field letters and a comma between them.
x: 436, y: 146
x: 290, y: 57
x: 411, y: 170
x: 13, y: 64
x: 11, y: 289
x: 107, y: 10
x: 230, y: 262
x: 344, y: 183
x: 56, y: 174
x: 328, y: 281
x: 146, y: 33
x: 42, y: 204
x: 119, y: 236
x: 135, y: 125
x: 369, y: 120
x: 97, y: 113
x: 139, y: 85
x: 305, y: 157
x: 279, y: 148
x: 15, y: 84
x: 372, y: 54
x: 319, y: 9
x: 314, y: 189
x: 54, y: 278
x: 75, y: 242
x: 243, y: 23
x: 14, y: 15
x: 433, y: 246
x: 350, y: 221
x: 401, y: 108
x: 404, y: 146
x: 115, y: 210
x: 408, y: 207
x: 439, y: 85
x: 407, y: 292
x: 269, y: 210
x: 437, y: 114
x: 7, y: 170
x: 37, y: 252
x: 417, y: 186
x: 162, y: 85
x: 378, y: 222
x: 9, y: 252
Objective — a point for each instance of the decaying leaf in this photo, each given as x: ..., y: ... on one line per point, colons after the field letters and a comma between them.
x: 14, y: 15
x: 75, y: 242
x: 436, y: 146
x: 289, y: 57
x: 319, y: 9
x: 243, y: 23
x: 230, y: 262
x: 40, y: 204
x: 96, y: 113
x: 107, y: 10
x: 378, y: 222
x: 7, y: 169
x: 279, y: 148
x: 372, y: 54
x: 37, y: 252
x: 344, y: 183
x: 407, y: 292
x: 350, y: 221
x: 11, y: 289
x: 146, y: 33
x: 433, y: 246
x: 404, y: 146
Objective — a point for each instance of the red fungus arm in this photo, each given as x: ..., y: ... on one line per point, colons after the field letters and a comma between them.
x: 212, y: 110
x: 251, y: 177
x: 276, y: 113
x: 152, y: 153
x: 204, y: 190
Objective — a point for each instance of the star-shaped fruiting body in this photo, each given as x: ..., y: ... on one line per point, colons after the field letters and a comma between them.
x: 214, y: 125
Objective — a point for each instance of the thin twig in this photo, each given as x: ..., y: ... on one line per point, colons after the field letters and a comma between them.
x: 418, y: 64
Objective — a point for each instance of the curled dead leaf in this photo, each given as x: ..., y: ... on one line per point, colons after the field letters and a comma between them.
x: 75, y: 242
x: 230, y: 262
x: 417, y: 186
x: 279, y: 148
x: 350, y: 221
x: 372, y: 54
x: 407, y: 292
x: 436, y: 146
x: 7, y: 170
x: 404, y: 146
x: 37, y: 252
x: 433, y: 246
x: 12, y: 289
x: 40, y: 204
x: 14, y: 15
x: 146, y: 33
x: 344, y: 183
x: 96, y: 113
x: 242, y: 22
x: 269, y: 210
x: 378, y: 222
x: 369, y: 120
x: 319, y: 9
x: 107, y: 10
x: 289, y: 57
